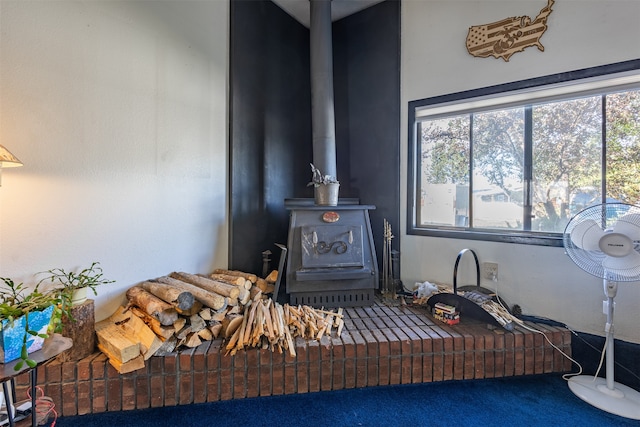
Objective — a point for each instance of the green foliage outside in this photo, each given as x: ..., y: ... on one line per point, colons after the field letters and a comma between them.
x: 566, y: 153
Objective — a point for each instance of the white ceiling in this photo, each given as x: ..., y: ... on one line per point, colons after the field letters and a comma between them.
x: 299, y: 9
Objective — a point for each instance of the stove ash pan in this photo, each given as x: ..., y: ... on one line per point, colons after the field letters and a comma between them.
x: 331, y: 259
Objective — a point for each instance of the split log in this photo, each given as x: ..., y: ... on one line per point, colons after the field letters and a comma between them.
x: 123, y: 367
x: 244, y: 297
x: 210, y: 285
x: 180, y: 299
x: 255, y: 293
x: 292, y: 347
x: 197, y: 323
x: 205, y: 313
x: 193, y: 340
x: 258, y: 328
x: 161, y: 331
x: 179, y: 324
x: 281, y: 326
x: 289, y: 339
x: 115, y: 342
x: 220, y: 316
x: 215, y: 329
x: 210, y: 299
x: 251, y: 277
x: 251, y: 313
x: 153, y: 305
x: 272, y: 277
x: 183, y: 333
x: 205, y: 334
x: 243, y: 326
x: 263, y: 285
x: 235, y: 310
x: 340, y: 322
x: 231, y: 345
x: 268, y: 320
x: 138, y: 330
x: 231, y: 324
x: 168, y: 346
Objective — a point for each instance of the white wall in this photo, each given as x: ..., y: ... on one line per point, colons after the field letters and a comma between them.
x: 118, y: 110
x: 581, y: 33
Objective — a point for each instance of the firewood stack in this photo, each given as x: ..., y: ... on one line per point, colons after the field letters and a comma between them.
x: 267, y: 324
x: 183, y: 310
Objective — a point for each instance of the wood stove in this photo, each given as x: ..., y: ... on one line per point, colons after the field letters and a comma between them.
x: 331, y: 259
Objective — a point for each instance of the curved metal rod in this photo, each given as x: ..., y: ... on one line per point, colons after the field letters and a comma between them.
x: 455, y: 269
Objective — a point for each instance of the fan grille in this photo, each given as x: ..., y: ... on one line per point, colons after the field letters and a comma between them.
x: 606, y: 216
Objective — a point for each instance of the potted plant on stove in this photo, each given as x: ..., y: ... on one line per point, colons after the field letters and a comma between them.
x: 325, y: 187
x: 26, y: 319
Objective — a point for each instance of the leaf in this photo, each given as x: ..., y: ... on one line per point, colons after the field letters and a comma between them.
x: 18, y: 365
x: 31, y: 363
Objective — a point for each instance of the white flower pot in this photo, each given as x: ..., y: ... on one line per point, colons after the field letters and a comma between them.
x: 79, y: 296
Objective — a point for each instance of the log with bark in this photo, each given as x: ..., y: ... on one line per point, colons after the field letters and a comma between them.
x: 80, y: 327
x: 210, y: 285
x: 210, y: 299
x: 232, y: 280
x: 195, y: 308
x: 152, y: 305
x: 249, y: 276
x: 181, y: 300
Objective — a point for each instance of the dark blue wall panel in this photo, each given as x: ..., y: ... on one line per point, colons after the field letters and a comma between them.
x: 270, y: 121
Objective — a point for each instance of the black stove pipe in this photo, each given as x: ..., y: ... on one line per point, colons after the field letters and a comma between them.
x: 322, y: 105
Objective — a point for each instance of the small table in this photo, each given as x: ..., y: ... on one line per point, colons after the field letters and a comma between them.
x: 52, y: 347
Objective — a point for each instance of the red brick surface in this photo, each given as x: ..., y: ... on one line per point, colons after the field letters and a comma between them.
x: 379, y: 345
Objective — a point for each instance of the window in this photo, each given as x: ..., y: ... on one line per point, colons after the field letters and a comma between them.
x: 515, y: 162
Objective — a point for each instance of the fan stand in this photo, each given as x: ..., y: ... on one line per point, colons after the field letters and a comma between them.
x: 602, y: 393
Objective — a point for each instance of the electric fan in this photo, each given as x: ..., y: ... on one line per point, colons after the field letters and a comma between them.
x: 604, y: 240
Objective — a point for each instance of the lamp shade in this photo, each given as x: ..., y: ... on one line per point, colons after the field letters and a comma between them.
x: 8, y: 160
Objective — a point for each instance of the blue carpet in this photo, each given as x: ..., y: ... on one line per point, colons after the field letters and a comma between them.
x: 520, y: 402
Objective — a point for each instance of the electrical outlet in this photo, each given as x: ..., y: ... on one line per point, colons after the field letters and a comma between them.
x: 490, y: 270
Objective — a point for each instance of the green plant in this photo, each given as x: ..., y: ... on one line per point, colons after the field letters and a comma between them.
x: 67, y: 282
x: 16, y: 302
x: 318, y: 179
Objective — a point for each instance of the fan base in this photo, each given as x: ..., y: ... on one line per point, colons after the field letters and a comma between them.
x: 622, y: 400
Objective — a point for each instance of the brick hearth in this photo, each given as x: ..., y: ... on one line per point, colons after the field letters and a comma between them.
x: 380, y: 345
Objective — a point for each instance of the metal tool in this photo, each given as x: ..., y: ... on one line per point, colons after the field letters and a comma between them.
x: 283, y: 258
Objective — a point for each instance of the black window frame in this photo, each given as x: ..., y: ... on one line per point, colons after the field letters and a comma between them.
x: 521, y: 237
